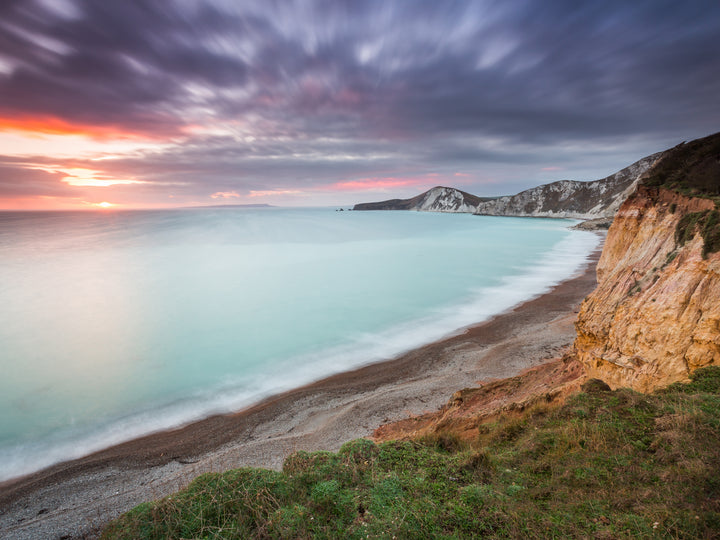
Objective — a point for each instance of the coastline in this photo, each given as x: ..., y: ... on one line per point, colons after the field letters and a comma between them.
x: 76, y: 498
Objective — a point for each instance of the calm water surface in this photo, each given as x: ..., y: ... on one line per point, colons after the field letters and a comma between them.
x: 116, y: 324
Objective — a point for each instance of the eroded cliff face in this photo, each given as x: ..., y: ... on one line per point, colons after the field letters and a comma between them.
x: 655, y: 314
x: 570, y: 198
x: 437, y: 199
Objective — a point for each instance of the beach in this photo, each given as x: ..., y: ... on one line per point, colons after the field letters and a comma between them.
x: 76, y: 499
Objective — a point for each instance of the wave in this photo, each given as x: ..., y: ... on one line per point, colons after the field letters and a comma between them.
x: 563, y: 261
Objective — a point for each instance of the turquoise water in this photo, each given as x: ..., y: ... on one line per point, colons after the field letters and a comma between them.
x: 116, y: 324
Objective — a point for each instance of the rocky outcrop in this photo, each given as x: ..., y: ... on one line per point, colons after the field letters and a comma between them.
x: 570, y: 198
x: 599, y: 224
x: 655, y: 314
x: 437, y: 199
x: 598, y: 199
x: 470, y: 408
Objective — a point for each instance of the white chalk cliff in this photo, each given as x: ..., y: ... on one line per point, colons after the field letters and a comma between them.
x: 571, y: 198
x: 437, y: 199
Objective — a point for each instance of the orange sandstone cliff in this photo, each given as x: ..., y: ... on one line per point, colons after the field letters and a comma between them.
x: 655, y: 314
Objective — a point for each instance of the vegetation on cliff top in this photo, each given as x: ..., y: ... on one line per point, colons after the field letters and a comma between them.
x: 708, y: 222
x: 607, y: 464
x: 692, y: 169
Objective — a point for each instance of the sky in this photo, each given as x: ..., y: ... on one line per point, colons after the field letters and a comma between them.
x: 161, y: 103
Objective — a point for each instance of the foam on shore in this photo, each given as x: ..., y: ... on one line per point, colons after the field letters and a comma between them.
x: 564, y: 261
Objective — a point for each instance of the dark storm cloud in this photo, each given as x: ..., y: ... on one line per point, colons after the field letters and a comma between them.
x: 575, y: 70
x: 322, y: 90
x: 121, y: 63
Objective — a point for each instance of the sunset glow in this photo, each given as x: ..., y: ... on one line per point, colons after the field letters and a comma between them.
x: 57, y: 126
x: 225, y: 195
x: 89, y: 177
x: 273, y: 192
x: 215, y: 102
x: 384, y: 183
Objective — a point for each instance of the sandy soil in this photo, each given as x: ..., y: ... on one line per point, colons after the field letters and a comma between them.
x: 77, y: 498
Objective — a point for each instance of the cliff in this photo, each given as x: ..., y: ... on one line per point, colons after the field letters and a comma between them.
x: 437, y: 199
x: 655, y: 314
x: 654, y: 317
x: 570, y: 198
x: 594, y: 200
x: 540, y: 452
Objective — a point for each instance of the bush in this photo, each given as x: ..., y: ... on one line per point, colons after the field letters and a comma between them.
x: 593, y: 386
x: 686, y: 227
x: 708, y: 223
x: 711, y: 233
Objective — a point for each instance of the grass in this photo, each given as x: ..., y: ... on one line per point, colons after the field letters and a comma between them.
x: 708, y: 222
x: 607, y: 464
x: 692, y: 169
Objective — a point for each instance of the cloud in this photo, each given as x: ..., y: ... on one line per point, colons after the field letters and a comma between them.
x: 273, y: 192
x: 17, y: 181
x: 225, y: 195
x: 382, y: 183
x: 270, y: 96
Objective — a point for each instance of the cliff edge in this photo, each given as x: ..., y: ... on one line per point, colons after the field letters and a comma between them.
x: 655, y: 314
x: 437, y: 199
x: 571, y: 198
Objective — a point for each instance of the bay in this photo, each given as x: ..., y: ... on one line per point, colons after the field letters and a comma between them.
x: 117, y: 324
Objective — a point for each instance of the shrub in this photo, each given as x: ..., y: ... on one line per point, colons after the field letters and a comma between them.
x: 711, y: 233
x: 708, y: 222
x: 592, y: 386
x: 685, y: 228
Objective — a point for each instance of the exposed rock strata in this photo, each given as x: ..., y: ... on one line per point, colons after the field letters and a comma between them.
x: 469, y: 408
x: 655, y: 315
x: 598, y: 199
x: 437, y: 199
x: 570, y: 198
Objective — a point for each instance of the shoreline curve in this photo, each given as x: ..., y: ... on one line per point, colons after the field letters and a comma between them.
x: 78, y: 497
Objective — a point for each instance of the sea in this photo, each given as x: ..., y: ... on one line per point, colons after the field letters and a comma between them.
x: 116, y: 324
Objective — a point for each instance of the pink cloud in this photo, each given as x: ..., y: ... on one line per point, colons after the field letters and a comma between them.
x: 225, y: 195
x: 378, y: 183
x: 349, y: 97
x: 271, y: 192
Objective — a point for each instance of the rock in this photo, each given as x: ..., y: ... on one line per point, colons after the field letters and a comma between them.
x: 655, y: 314
x: 437, y: 199
x: 571, y: 198
x: 562, y: 199
x: 600, y: 224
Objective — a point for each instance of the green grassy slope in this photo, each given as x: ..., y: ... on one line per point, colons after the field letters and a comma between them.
x: 692, y: 169
x: 604, y: 465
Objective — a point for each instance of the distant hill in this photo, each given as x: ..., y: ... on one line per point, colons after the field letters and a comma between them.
x: 597, y: 199
x: 437, y: 199
x: 257, y: 205
x: 571, y: 198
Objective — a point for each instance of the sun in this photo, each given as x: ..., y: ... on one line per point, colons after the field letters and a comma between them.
x: 105, y: 204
